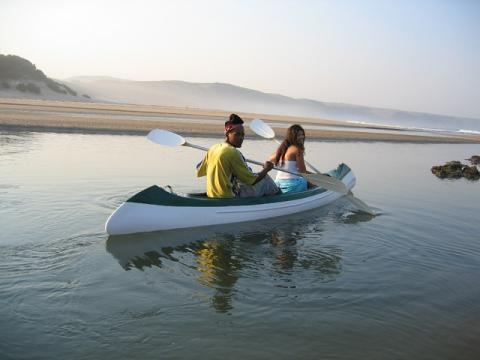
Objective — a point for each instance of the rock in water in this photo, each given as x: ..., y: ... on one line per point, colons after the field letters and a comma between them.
x: 455, y: 170
x: 451, y: 170
x: 471, y: 172
x: 475, y: 159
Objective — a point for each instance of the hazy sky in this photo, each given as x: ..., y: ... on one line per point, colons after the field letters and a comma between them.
x: 420, y: 55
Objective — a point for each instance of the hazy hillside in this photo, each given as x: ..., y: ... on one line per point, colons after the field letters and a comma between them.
x: 216, y: 96
x: 233, y: 98
x: 20, y: 78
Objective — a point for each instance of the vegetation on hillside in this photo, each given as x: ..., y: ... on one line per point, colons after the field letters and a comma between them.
x: 18, y: 73
x: 14, y: 67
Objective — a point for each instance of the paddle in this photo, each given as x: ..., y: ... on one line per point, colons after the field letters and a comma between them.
x: 164, y: 137
x: 259, y: 127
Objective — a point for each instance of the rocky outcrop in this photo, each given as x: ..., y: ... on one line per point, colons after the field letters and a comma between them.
x: 456, y: 170
x: 474, y: 160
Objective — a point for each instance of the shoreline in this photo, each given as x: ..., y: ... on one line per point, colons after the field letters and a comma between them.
x: 63, y: 116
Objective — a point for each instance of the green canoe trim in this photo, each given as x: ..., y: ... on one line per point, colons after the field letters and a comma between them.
x: 155, y: 195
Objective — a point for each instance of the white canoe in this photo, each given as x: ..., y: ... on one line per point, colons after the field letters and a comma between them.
x: 155, y: 209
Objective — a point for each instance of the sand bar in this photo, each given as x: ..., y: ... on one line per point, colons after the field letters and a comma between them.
x: 130, y: 118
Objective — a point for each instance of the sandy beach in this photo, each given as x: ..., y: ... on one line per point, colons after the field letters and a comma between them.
x: 108, y: 117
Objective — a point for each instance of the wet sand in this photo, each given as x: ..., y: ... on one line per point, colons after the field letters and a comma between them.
x: 130, y: 118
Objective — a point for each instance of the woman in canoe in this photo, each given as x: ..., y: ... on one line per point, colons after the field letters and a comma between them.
x: 227, y: 173
x: 289, y: 156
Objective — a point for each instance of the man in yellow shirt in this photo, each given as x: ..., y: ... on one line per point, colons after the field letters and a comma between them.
x: 224, y: 165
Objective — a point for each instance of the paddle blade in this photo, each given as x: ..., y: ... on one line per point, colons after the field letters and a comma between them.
x: 261, y: 128
x: 327, y: 182
x: 360, y: 205
x: 164, y: 137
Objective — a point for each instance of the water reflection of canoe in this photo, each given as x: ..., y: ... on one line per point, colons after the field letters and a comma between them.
x: 155, y: 209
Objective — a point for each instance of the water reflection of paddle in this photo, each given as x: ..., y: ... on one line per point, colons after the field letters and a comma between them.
x: 222, y: 255
x: 356, y: 217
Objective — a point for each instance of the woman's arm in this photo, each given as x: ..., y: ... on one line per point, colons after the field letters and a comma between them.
x: 300, y: 161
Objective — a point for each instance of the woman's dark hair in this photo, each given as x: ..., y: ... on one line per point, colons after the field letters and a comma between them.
x: 234, y: 119
x: 290, y: 139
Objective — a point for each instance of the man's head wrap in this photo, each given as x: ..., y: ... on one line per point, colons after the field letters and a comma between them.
x: 234, y: 122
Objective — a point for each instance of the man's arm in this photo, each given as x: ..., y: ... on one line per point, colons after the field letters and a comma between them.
x: 202, y: 167
x: 266, y: 168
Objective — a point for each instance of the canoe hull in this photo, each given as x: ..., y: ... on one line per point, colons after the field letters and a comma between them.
x: 135, y: 217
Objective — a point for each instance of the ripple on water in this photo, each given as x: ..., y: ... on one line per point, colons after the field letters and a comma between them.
x: 46, y: 257
x: 42, y: 280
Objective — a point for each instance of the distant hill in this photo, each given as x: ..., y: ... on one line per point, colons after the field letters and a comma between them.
x: 20, y: 78
x: 234, y: 98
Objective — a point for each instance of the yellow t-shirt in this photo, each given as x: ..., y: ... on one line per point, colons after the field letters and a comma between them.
x: 221, y: 162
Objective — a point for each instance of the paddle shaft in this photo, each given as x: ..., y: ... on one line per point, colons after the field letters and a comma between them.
x: 165, y: 137
x: 247, y: 160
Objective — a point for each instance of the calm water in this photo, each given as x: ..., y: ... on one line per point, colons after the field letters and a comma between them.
x: 332, y: 284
